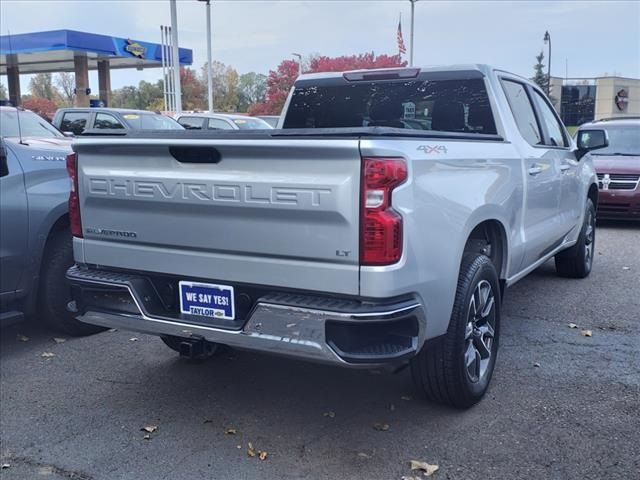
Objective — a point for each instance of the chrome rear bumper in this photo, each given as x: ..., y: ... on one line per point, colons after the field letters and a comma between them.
x: 366, y: 336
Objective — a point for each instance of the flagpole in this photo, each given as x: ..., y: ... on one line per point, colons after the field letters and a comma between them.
x: 413, y: 7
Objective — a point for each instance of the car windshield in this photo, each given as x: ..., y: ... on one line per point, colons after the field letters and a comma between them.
x: 623, y: 141
x: 31, y: 125
x: 251, y: 123
x: 151, y: 121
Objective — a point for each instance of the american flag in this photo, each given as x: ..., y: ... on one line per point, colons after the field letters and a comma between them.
x: 401, y: 48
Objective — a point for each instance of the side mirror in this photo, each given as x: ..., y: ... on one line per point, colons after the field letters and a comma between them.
x: 69, y: 134
x: 588, y: 140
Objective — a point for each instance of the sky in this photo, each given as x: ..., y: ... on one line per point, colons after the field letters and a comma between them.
x: 589, y: 38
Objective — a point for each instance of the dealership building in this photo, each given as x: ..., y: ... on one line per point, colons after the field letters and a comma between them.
x: 581, y: 100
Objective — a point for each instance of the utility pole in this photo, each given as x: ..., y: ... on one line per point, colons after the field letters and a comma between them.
x: 547, y: 40
x: 176, y: 56
x: 299, y: 57
x: 209, y: 74
x: 413, y: 13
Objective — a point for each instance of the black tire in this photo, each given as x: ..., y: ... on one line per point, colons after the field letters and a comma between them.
x: 55, y: 291
x: 211, y: 349
x: 441, y: 370
x: 577, y: 261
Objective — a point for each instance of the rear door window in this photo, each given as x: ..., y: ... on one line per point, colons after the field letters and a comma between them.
x: 523, y: 112
x: 191, y: 123
x: 449, y: 105
x: 74, y: 122
x: 218, y: 124
x: 108, y: 121
x: 556, y: 136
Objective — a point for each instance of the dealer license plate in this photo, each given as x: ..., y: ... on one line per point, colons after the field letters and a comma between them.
x: 207, y: 300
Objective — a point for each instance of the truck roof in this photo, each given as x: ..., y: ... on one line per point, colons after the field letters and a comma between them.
x: 482, y: 68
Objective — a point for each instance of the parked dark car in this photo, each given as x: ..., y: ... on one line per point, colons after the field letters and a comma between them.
x: 618, y: 168
x: 34, y: 222
x: 77, y: 120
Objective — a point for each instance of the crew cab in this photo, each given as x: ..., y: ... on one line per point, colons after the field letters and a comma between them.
x: 377, y: 228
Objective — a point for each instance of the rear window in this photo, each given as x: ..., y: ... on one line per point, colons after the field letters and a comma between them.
x: 442, y: 105
x: 74, y: 122
x: 251, y: 124
x: 151, y: 121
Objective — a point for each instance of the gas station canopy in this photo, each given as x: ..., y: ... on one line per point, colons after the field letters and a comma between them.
x: 78, y: 52
x: 54, y: 51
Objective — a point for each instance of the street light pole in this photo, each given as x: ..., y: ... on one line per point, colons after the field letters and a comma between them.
x: 209, y: 66
x: 299, y: 62
x: 176, y: 56
x: 547, y: 39
x: 413, y: 12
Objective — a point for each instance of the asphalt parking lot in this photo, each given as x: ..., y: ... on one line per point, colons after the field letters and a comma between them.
x: 562, y: 405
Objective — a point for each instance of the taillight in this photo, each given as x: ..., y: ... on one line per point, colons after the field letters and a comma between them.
x: 74, y: 200
x: 380, y: 224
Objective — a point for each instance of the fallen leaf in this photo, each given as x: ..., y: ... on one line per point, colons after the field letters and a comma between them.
x: 111, y: 330
x: 208, y: 420
x: 250, y: 451
x: 263, y: 455
x: 239, y: 446
x: 5, y: 465
x: 133, y: 339
x: 150, y: 428
x: 537, y: 365
x: 147, y: 437
x: 381, y: 427
x: 59, y: 340
x: 425, y: 467
x: 573, y: 325
x: 230, y: 431
x: 626, y: 268
x: 586, y: 333
x: 48, y: 355
x: 329, y: 414
x: 364, y: 455
x: 406, y: 397
x: 23, y: 338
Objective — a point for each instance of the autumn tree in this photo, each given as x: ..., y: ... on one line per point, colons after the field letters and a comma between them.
x: 279, y: 83
x: 281, y: 80
x: 66, y: 83
x: 41, y: 86
x: 44, y: 107
x: 194, y: 92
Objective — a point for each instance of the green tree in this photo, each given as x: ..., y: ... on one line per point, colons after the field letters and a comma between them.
x: 539, y: 77
x: 41, y: 86
x: 3, y: 92
x: 125, y: 97
x: 252, y: 88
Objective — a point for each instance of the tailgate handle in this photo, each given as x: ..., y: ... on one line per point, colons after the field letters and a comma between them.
x: 195, y: 154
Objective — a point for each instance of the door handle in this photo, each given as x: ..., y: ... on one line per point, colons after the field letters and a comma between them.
x: 535, y: 169
x: 564, y: 167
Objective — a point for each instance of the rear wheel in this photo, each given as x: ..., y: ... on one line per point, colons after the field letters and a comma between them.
x: 577, y: 261
x: 456, y: 369
x: 55, y: 291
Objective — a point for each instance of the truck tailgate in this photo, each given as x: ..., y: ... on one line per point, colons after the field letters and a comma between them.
x: 281, y: 212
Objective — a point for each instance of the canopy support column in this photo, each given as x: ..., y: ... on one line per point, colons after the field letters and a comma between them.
x: 13, y: 79
x: 104, y: 81
x: 81, y: 66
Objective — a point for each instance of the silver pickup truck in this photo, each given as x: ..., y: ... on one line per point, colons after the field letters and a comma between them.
x: 378, y: 226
